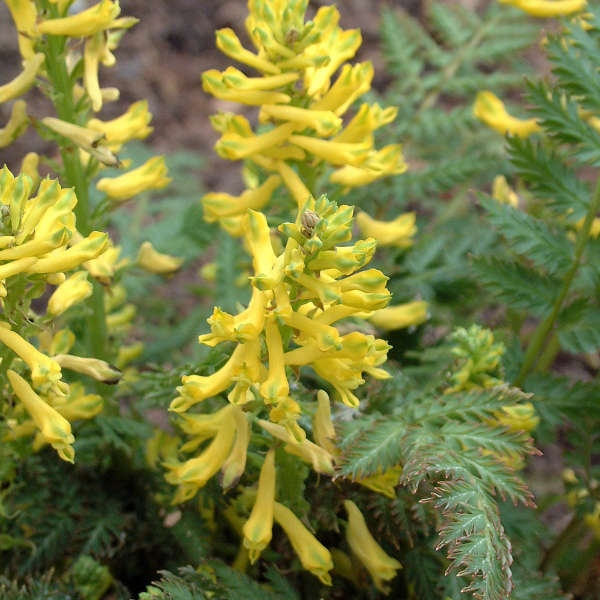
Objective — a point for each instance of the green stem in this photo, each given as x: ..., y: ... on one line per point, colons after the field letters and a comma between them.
x: 548, y: 355
x: 75, y: 177
x: 543, y: 329
x: 573, y: 528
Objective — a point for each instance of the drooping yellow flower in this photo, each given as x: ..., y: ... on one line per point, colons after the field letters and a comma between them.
x: 55, y: 429
x: 490, y: 109
x: 380, y: 565
x: 23, y: 82
x: 79, y: 405
x: 398, y: 232
x: 400, y: 316
x: 518, y: 417
x: 128, y: 354
x: 75, y: 289
x: 24, y: 14
x: 312, y: 554
x: 323, y: 430
x: 86, y: 23
x: 152, y: 175
x: 235, y: 465
x: 548, y: 8
x: 258, y: 528
x: 156, y: 262
x: 384, y: 483
x: 17, y: 124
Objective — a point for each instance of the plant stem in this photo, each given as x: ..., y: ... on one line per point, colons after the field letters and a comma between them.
x: 74, y: 175
x: 573, y: 527
x: 543, y: 329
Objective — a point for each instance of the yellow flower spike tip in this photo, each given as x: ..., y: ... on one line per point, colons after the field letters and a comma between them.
x: 17, y: 124
x: 548, y: 8
x: 193, y: 474
x: 24, y: 14
x: 45, y: 372
x: 490, y: 109
x: 400, y: 316
x: 381, y: 567
x: 323, y: 429
x: 398, y: 233
x: 312, y: 554
x: 502, y: 192
x: 152, y: 175
x: 75, y: 289
x: 23, y: 82
x: 156, y: 262
x: 100, y: 370
x: 220, y: 205
x: 134, y: 124
x: 258, y: 528
x: 97, y: 18
x: 383, y: 483
x: 55, y: 429
x: 89, y: 248
x: 235, y: 465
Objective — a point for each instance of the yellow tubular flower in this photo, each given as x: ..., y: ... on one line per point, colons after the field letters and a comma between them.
x: 518, y: 417
x: 212, y: 82
x: 93, y: 367
x: 384, y: 162
x: 502, y: 192
x: 235, y: 147
x: 275, y: 388
x: 229, y: 43
x: 23, y: 82
x: 398, y: 232
x: 45, y: 372
x: 312, y: 554
x: 325, y: 123
x: 383, y: 483
x: 323, y: 429
x: 29, y: 167
x: 235, y: 465
x: 78, y: 404
x: 55, y: 429
x: 75, y: 289
x: 336, y: 153
x: 257, y: 529
x: 155, y: 262
x: 128, y: 354
x: 24, y: 14
x: 152, y: 175
x: 548, y: 8
x: 490, y: 109
x: 400, y: 316
x: 132, y: 125
x: 352, y: 82
x: 93, y: 50
x: 17, y: 124
x: 97, y: 18
x: 220, y: 205
x: 381, y: 567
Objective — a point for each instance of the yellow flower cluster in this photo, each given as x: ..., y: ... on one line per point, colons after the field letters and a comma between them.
x: 298, y: 296
x: 101, y: 29
x: 301, y: 106
x: 39, y: 243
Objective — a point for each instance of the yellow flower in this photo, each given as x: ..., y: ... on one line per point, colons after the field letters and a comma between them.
x: 384, y: 162
x: 215, y: 83
x: 152, y: 175
x: 55, y: 429
x: 17, y: 124
x: 323, y: 122
x: 275, y: 387
x: 23, y: 82
x: 93, y: 367
x: 336, y: 153
x: 128, y: 354
x: 132, y: 125
x: 352, y: 82
x: 400, y: 316
x: 229, y: 44
x: 121, y: 319
x: 220, y: 205
x: 45, y: 372
x: 75, y: 289
x: 235, y: 147
x: 502, y: 192
x: 258, y: 528
x: 398, y: 232
x: 490, y: 109
x: 381, y: 567
x: 193, y: 474
x: 24, y: 14
x: 518, y: 417
x: 323, y: 430
x: 94, y: 49
x: 235, y: 465
x: 97, y: 18
x: 29, y: 167
x: 548, y: 8
x: 312, y: 554
x: 104, y: 267
x: 155, y: 262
